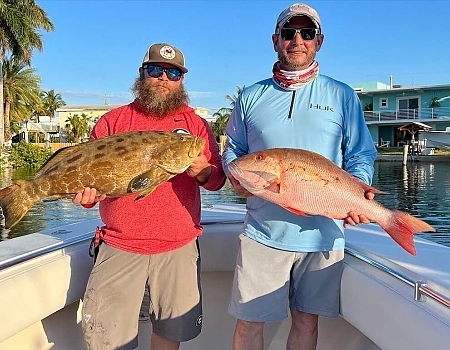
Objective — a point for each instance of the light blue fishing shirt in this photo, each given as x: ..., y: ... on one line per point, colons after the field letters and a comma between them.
x: 324, y: 116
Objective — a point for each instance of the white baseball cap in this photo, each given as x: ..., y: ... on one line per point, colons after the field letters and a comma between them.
x: 298, y: 10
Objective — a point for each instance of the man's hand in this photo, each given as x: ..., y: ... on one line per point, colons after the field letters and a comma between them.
x: 238, y: 188
x: 354, y: 219
x: 88, y: 196
x: 200, y: 169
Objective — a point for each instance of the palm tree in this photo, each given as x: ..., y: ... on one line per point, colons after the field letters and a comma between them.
x: 218, y: 127
x: 51, y: 102
x: 77, y: 127
x: 20, y: 25
x: 233, y: 98
x: 21, y: 90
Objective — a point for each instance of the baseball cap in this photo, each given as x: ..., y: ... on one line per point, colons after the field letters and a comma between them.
x: 298, y: 10
x: 165, y: 53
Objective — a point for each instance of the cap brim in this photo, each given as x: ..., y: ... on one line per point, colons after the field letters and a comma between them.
x: 180, y: 67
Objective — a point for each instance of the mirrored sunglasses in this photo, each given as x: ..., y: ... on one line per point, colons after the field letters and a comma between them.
x: 305, y: 33
x: 154, y: 71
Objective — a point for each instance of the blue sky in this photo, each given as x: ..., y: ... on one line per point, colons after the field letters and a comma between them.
x: 98, y: 45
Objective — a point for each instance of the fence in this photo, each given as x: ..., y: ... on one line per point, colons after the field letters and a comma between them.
x: 55, y: 146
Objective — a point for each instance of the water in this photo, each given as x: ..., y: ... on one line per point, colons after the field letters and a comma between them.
x: 421, y: 189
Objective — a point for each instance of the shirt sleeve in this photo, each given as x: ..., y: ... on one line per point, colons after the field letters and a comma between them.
x: 359, y: 149
x: 236, y: 145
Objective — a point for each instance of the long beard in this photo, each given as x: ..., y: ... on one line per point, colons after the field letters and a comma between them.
x: 153, y: 102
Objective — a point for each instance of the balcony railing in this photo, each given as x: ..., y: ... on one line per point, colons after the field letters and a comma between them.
x: 42, y: 127
x: 408, y: 114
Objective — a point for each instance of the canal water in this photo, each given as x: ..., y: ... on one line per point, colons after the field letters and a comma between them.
x: 421, y: 189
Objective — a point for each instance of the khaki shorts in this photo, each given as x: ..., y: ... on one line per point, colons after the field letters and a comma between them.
x: 115, y: 289
x: 267, y: 280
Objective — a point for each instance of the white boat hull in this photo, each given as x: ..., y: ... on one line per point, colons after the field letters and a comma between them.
x: 40, y: 297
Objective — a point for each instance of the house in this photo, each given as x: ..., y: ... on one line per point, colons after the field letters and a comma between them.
x: 388, y: 107
x: 92, y: 111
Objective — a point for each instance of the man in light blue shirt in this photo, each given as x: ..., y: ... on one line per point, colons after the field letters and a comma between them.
x: 286, y: 258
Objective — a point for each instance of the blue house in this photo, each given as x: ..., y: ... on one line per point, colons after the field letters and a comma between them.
x: 388, y: 107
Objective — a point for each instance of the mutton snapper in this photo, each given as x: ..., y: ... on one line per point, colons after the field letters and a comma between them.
x: 117, y: 165
x: 307, y: 183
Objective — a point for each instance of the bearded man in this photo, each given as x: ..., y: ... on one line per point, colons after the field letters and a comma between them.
x: 151, y: 243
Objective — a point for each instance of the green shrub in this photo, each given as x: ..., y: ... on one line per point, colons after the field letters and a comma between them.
x: 25, y: 154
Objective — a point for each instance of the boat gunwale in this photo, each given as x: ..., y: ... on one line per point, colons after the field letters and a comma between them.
x: 420, y: 288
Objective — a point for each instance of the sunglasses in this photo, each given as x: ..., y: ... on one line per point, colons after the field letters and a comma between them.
x: 305, y: 33
x: 172, y: 74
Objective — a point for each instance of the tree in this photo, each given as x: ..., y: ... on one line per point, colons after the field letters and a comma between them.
x: 20, y: 25
x: 78, y: 127
x: 435, y: 102
x: 233, y: 98
x: 368, y: 106
x: 51, y: 102
x: 21, y: 90
x: 218, y: 126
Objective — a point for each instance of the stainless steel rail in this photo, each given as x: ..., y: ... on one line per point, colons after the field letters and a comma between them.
x: 420, y: 287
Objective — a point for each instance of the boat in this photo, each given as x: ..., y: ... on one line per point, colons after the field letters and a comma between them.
x: 390, y: 300
x: 436, y: 139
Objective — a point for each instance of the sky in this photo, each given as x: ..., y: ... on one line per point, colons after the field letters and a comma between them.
x: 94, y: 53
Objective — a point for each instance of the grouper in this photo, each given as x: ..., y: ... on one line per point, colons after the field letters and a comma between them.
x: 306, y: 183
x: 133, y: 162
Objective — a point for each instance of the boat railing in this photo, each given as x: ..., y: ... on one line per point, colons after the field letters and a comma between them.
x: 420, y: 288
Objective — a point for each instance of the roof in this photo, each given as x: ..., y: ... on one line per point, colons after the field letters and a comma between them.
x: 414, y: 88
x: 414, y: 127
x: 86, y: 107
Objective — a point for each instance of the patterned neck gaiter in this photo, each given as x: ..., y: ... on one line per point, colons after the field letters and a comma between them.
x: 293, y: 80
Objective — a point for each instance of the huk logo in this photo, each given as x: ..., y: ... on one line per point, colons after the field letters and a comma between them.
x: 199, y: 321
x: 322, y: 108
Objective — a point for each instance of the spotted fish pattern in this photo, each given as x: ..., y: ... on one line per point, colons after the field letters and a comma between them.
x: 117, y: 165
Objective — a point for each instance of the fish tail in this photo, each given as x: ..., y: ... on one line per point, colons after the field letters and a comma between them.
x: 403, y: 226
x: 15, y: 202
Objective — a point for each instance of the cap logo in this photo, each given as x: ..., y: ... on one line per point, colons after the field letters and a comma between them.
x: 167, y: 52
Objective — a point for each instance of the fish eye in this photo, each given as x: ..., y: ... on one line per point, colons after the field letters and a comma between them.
x: 181, y: 138
x: 259, y: 157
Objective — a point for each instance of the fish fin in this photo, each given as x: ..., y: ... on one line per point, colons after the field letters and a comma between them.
x: 367, y: 188
x: 56, y: 158
x: 296, y: 211
x: 15, y: 202
x: 146, y: 183
x: 402, y: 228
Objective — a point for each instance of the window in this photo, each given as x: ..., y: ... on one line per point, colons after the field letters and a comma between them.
x: 408, y: 107
x: 383, y: 102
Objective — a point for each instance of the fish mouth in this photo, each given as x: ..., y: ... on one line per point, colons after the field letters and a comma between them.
x: 252, y: 181
x: 197, y: 147
x: 235, y: 170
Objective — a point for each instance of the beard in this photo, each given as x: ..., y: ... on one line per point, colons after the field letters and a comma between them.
x: 295, y: 65
x: 156, y: 103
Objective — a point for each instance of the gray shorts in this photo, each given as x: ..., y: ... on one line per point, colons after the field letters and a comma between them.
x: 267, y: 280
x: 116, y: 286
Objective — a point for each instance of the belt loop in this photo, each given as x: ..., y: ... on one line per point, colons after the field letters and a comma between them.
x: 95, y: 243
